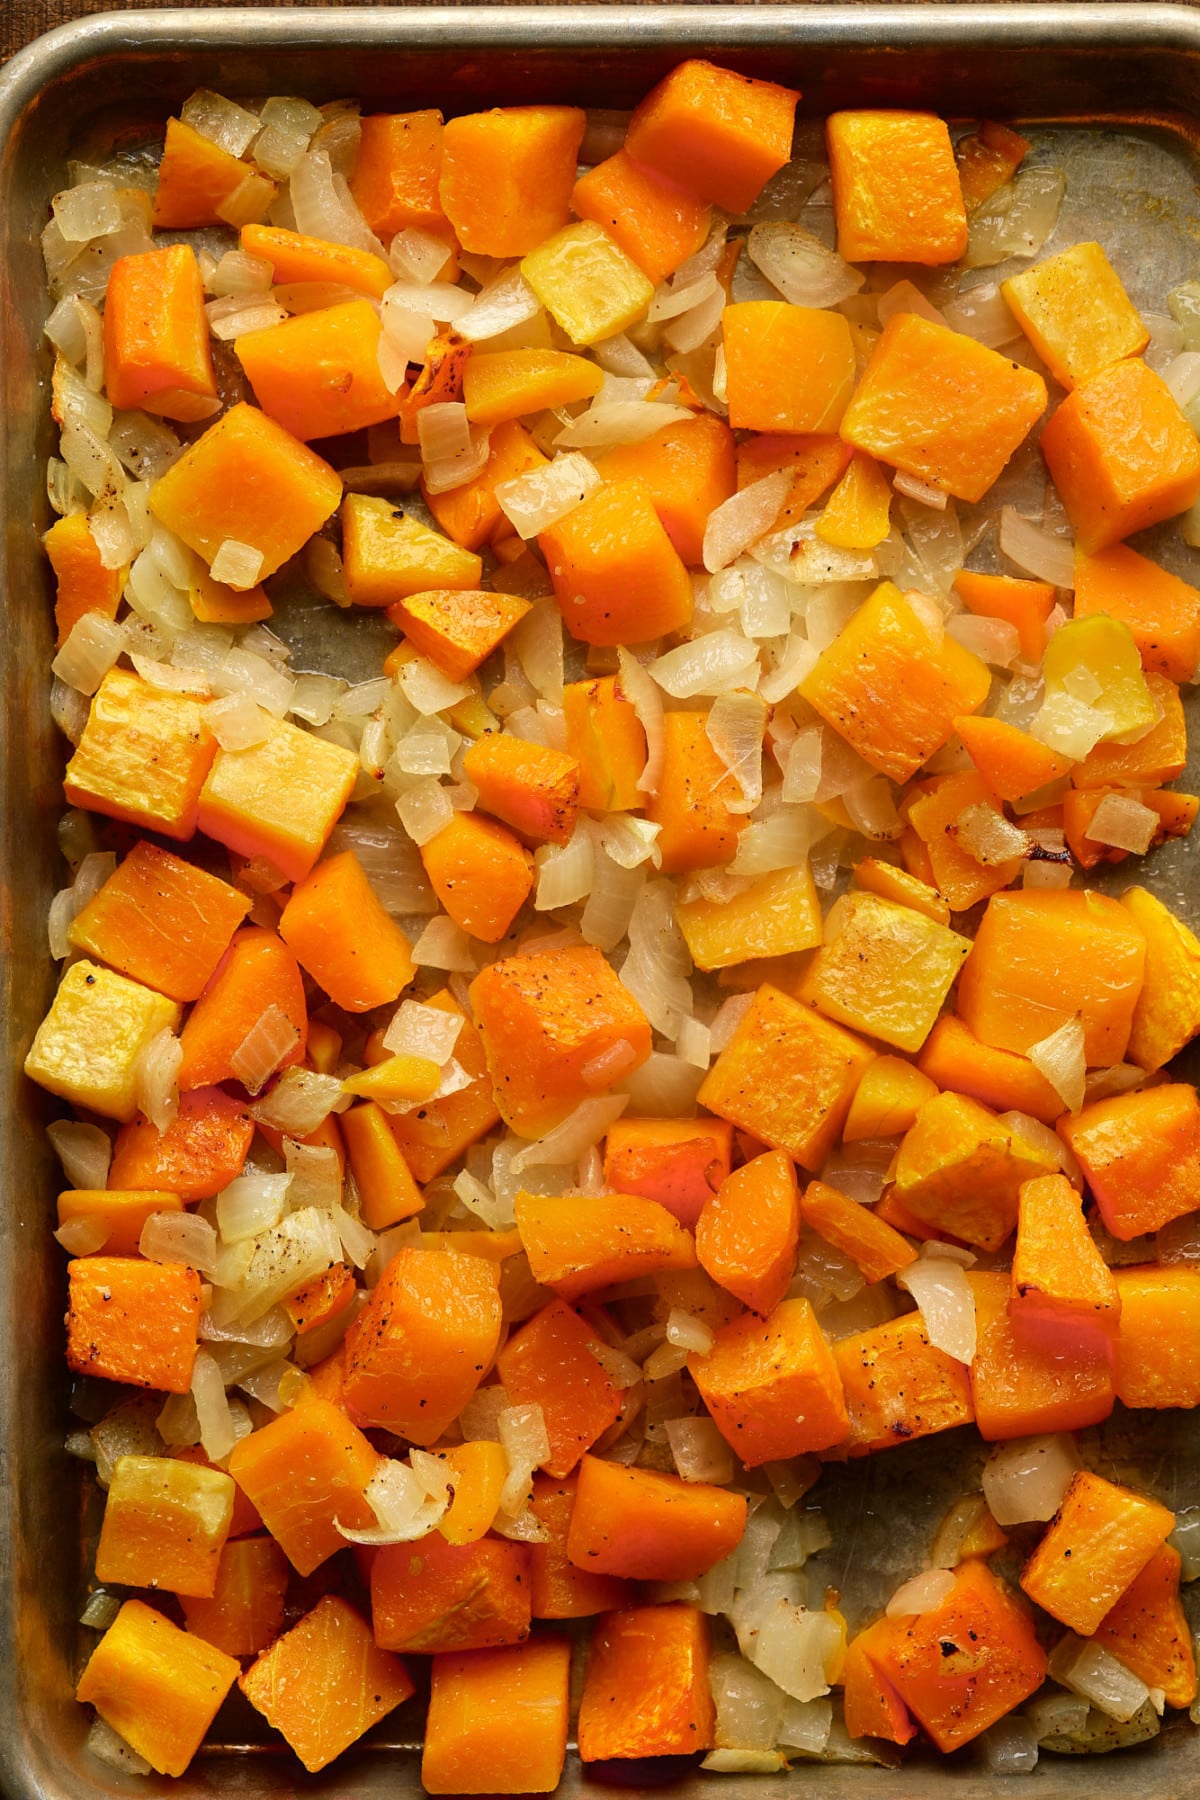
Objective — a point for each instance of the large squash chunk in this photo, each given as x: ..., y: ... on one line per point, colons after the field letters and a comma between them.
x: 279, y: 799
x: 899, y: 1386
x: 896, y: 192
x: 884, y: 969
x: 157, y: 1686
x: 891, y: 688
x: 1075, y: 312
x: 87, y: 1048
x: 960, y: 1171
x: 1141, y: 1156
x: 143, y: 756
x: 772, y: 1386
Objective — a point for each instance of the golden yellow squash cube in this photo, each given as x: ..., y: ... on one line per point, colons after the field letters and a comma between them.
x: 386, y: 556
x: 884, y: 969
x: 280, y: 799
x: 165, y: 1525
x: 887, y: 1100
x: 87, y: 1047
x: 1075, y: 312
x: 587, y: 283
x: 1167, y: 1014
x: 143, y: 756
x: 776, y: 916
x: 788, y: 1076
x: 157, y: 1686
x: 960, y: 1168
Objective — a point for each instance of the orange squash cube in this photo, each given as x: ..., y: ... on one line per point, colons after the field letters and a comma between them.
x: 934, y: 809
x: 549, y: 1363
x: 656, y: 222
x: 481, y: 874
x: 279, y: 799
x: 156, y: 346
x: 698, y: 830
x: 157, y: 1686
x: 854, y: 1229
x: 646, y: 1692
x: 165, y: 1525
x: 1161, y: 611
x: 942, y: 407
x: 771, y: 1385
x: 143, y: 756
x: 161, y: 921
x: 1167, y: 1015
x: 545, y: 1018
x: 1100, y: 1539
x: 605, y: 736
x: 558, y: 1589
x: 1057, y: 1270
x: 883, y: 969
x: 719, y: 134
x: 338, y: 931
x: 497, y: 1721
x: 430, y: 1596
x: 689, y: 469
x: 245, y: 1610
x: 787, y: 1077
x: 887, y: 1099
x: 898, y: 1386
x: 1158, y: 1340
x: 787, y: 368
x: 576, y: 1248
x: 502, y: 385
x: 397, y: 171
x: 896, y: 192
x: 816, y: 461
x: 88, y: 1047
x: 420, y: 1347
x: 1075, y: 312
x: 201, y: 1151
x: 318, y: 373
x: 337, y: 1461
x: 1147, y: 1629
x: 960, y: 1170
x: 457, y: 629
x: 1025, y: 604
x: 954, y: 1057
x: 617, y: 576
x: 507, y: 175
x: 1140, y: 1153
x: 133, y: 1321
x: 295, y: 258
x: 647, y: 1526
x: 531, y: 787
x: 83, y: 583
x: 197, y: 180
x: 1032, y: 1375
x: 681, y: 1163
x: 1011, y: 763
x: 325, y: 1682
x: 888, y: 648
x: 1122, y: 455
x: 121, y: 1212
x: 747, y: 1234
x: 250, y: 481
x: 431, y: 1136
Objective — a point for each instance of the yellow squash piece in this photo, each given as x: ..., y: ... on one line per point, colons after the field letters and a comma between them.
x: 587, y: 283
x: 280, y: 799
x: 857, y: 513
x: 960, y: 1169
x: 143, y: 756
x: 386, y: 555
x: 1075, y: 312
x: 887, y: 1100
x: 88, y: 1045
x: 1096, y: 691
x: 884, y: 969
x: 165, y: 1524
x: 777, y: 915
x: 1167, y: 1014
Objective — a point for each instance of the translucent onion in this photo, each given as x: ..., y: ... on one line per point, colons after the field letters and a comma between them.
x: 244, y: 671
x: 1025, y: 1479
x: 1124, y: 823
x: 428, y: 1031
x: 272, y: 1037
x: 416, y: 255
x: 712, y: 664
x: 621, y: 1370
x: 619, y: 356
x: 217, y: 1435
x: 923, y: 492
x: 636, y: 686
x: 82, y: 1236
x: 988, y: 837
x: 85, y: 1152
x: 88, y: 211
x: 609, y: 907
x: 607, y: 423
x: 749, y: 1707
x: 1058, y: 1715
x: 108, y: 1747
x: 1060, y: 1058
x: 251, y: 1204
x: 237, y: 722
x: 1034, y: 551
x: 603, y: 1070
x: 741, y: 521
x: 1089, y: 1670
x: 696, y: 326
x: 687, y: 1332
x: 444, y: 945
x: 657, y: 967
x: 442, y: 474
x: 156, y: 1078
x: 795, y: 660
x: 1017, y: 220
x: 800, y: 266
x: 526, y: 1444
x: 906, y: 297
x: 300, y: 1101
x: 427, y: 689
x: 796, y: 1649
x: 316, y: 1175
x: 582, y: 1128
x: 1010, y: 1747
x: 946, y: 1302
x: 735, y: 728
x: 664, y: 1087
x: 323, y: 208
x: 981, y: 312
x: 780, y: 841
x: 403, y: 1506
x: 993, y: 641
x: 221, y: 121
x: 179, y: 1237
x: 302, y: 1246
x: 91, y: 648
x: 565, y: 871
x: 534, y: 501
x: 692, y: 1043
x: 921, y: 1594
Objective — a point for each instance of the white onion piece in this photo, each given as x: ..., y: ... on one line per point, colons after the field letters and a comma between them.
x: 687, y: 1332
x: 1057, y: 1715
x: 506, y: 301
x: 85, y: 1152
x: 796, y: 1648
x: 268, y: 1041
x: 711, y: 664
x: 1124, y: 823
x: 221, y: 121
x: 217, y: 1435
x: 244, y: 671
x: 1010, y: 1747
x: 444, y: 945
x: 179, y: 1237
x: 983, y: 314
x: 644, y: 696
x: 696, y: 326
x: 796, y: 660
x: 1060, y: 1058
x: 299, y: 1102
x: 657, y: 967
x: 533, y: 502
x: 357, y: 1241
x: 156, y: 1078
x: 88, y: 211
x: 672, y: 298
x: 526, y: 1444
x: 581, y: 1128
x: 923, y: 492
x: 609, y: 908
x: 946, y: 1303
x: 416, y: 255
x: 302, y: 1246
x: 1026, y: 1478
x: 443, y: 431
x: 692, y: 1043
x: 610, y: 422
x: 906, y: 297
x: 316, y: 1179
x: 749, y: 1707
x: 402, y: 1504
x: 800, y: 266
x: 741, y: 521
x: 102, y: 1607
x: 1017, y: 220
x: 108, y: 1747
x: 1089, y: 1670
x: 993, y: 641
x: 565, y: 871
x: 250, y: 315
x: 780, y: 841
x: 324, y: 209
x: 699, y: 1451
x: 82, y: 1236
x: 237, y: 722
x: 988, y: 837
x: 89, y: 651
x: 251, y: 1204
x: 923, y: 1593
x: 735, y: 728
x: 629, y: 840
x: 1182, y: 376
x: 428, y: 1031
x: 427, y: 689
x: 1034, y: 551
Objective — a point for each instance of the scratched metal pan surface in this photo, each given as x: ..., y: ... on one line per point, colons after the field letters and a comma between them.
x: 1114, y: 93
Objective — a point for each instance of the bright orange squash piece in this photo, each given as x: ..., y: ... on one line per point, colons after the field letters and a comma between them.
x: 896, y: 193
x: 942, y: 407
x: 718, y: 134
x: 1158, y: 1341
x: 197, y: 181
x: 507, y: 175
x: 531, y: 787
x: 457, y: 629
x: 397, y: 171
x: 549, y: 1363
x: 646, y: 1690
x: 245, y: 1610
x: 878, y: 1250
x: 133, y: 1321
x: 617, y: 576
x: 558, y: 1589
x: 954, y: 1057
x: 431, y: 1136
x: 158, y: 1687
x: 887, y: 1099
x: 256, y: 972
x: 325, y: 1682
x: 471, y: 513
x: 1148, y: 1631
x: 318, y: 373
x: 388, y: 1192
x: 122, y: 1213
x: 1167, y: 1015
x: 143, y: 757
x: 481, y: 874
x: 1032, y: 1375
x: 1161, y: 611
x: 1057, y: 1270
x: 898, y: 1386
x: 576, y: 1246
x: 1140, y: 1153
x: 771, y: 1385
x: 338, y: 931
x: 296, y: 258
x: 815, y: 459
x: 656, y: 222
x: 1010, y: 762
x: 681, y: 1163
x: 648, y: 1526
x: 987, y: 161
x: 960, y: 1169
x: 872, y: 1706
x: 165, y: 1524
x: 388, y: 556
x: 156, y: 344
x: 1159, y: 756
x: 84, y: 585
x: 201, y: 1151
x: 337, y: 1461
x: 501, y: 385
x: 787, y: 368
x: 1101, y: 1537
x: 747, y: 1233
x: 606, y: 738
x: 432, y: 1597
x: 892, y: 883
x: 1025, y: 604
x: 1121, y: 455
x: 478, y: 1471
x: 689, y: 470
x: 497, y: 1720
x: 698, y: 831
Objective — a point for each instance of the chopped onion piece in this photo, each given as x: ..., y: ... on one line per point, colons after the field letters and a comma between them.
x: 797, y: 1649
x: 800, y: 266
x: 606, y: 1068
x: 692, y: 1043
x: 85, y: 1152
x: 1058, y: 1715
x: 221, y: 121
x: 217, y: 1436
x: 1124, y: 823
x: 993, y: 641
x: 794, y: 662
x: 1089, y: 1670
x: 906, y: 297
x: 712, y: 664
x: 1034, y: 551
x: 243, y: 671
x: 323, y: 208
x: 739, y: 522
x: 156, y: 1079
x: 91, y: 648
x: 1026, y: 1478
x: 526, y: 1444
x: 179, y: 1237
x: 921, y: 1594
x: 534, y: 501
x: 300, y: 1101
x: 444, y: 945
x: 88, y: 211
x: 565, y: 871
x: 687, y: 1332
x: 988, y: 837
x: 428, y: 1031
x: 657, y: 968
x: 482, y: 1202
x: 268, y: 1041
x: 237, y: 722
x: 316, y: 1175
x: 640, y: 690
x: 427, y: 689
x: 582, y: 1128
x: 1010, y: 1747
x: 983, y: 313
x: 946, y: 1302
x: 416, y: 255
x: 621, y: 1370
x: 400, y: 1499
x: 82, y: 1236
x: 302, y: 1246
x: 1060, y: 1058
x: 735, y: 728
x: 1017, y: 220
x: 251, y: 1204
x: 251, y: 315
x: 780, y: 841
x: 699, y: 1451
x: 108, y: 1747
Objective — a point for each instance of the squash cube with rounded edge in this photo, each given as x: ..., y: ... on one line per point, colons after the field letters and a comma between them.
x: 279, y: 799
x: 457, y: 628
x: 143, y: 756
x: 87, y: 1047
x: 248, y: 481
x: 1101, y: 1537
x: 771, y: 1385
x: 497, y: 1720
x: 318, y: 373
x: 960, y: 1169
x: 507, y: 175
x: 896, y: 191
x: 1075, y: 312
x: 388, y: 556
x: 158, y: 1687
x: 787, y: 368
x: 135, y: 1321
x: 884, y: 970
x: 165, y: 1524
x: 719, y: 134
x: 587, y: 282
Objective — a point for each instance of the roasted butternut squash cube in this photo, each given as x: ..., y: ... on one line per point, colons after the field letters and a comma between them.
x: 576, y: 1249
x: 318, y: 373
x: 87, y: 1047
x: 645, y: 1525
x: 431, y: 1596
x: 656, y: 222
x: 143, y: 756
x: 884, y: 969
x: 197, y: 181
x: 1075, y: 312
x: 280, y: 799
x: 606, y: 738
x: 1161, y: 611
x: 156, y: 344
x: 787, y: 368
x: 771, y: 1385
x: 549, y: 1361
x: 690, y: 803
x: 1158, y: 1339
x: 396, y: 174
x: 942, y: 407
x: 717, y: 133
x: 120, y: 1212
x: 532, y: 787
x: 787, y: 1076
x: 899, y: 1386
x: 133, y: 1321
x: 325, y: 1682
x: 497, y: 1720
x: 1148, y: 1630
x: 896, y: 192
x: 457, y: 628
x: 245, y: 1610
x: 1159, y: 754
x: 165, y: 1524
x: 960, y: 1170
x: 545, y: 1019
x: 1167, y: 1015
x: 587, y: 283
x: 388, y: 556
x: 1041, y: 959
x: 83, y: 583
x: 1122, y: 454
x: 507, y: 175
x: 617, y: 576
x: 500, y: 386
x: 157, y: 1686
x: 647, y: 1690
x: 295, y: 257
x: 1034, y: 1374
x: 1100, y: 1538
x: 480, y: 872
x: 887, y: 648
x: 934, y: 810
x: 250, y: 481
x: 887, y: 1099
x: 338, y: 1462
x: 778, y: 915
x: 1140, y: 1153
x: 893, y: 883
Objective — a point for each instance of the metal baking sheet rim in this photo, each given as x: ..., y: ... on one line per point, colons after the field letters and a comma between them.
x: 1079, y: 58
